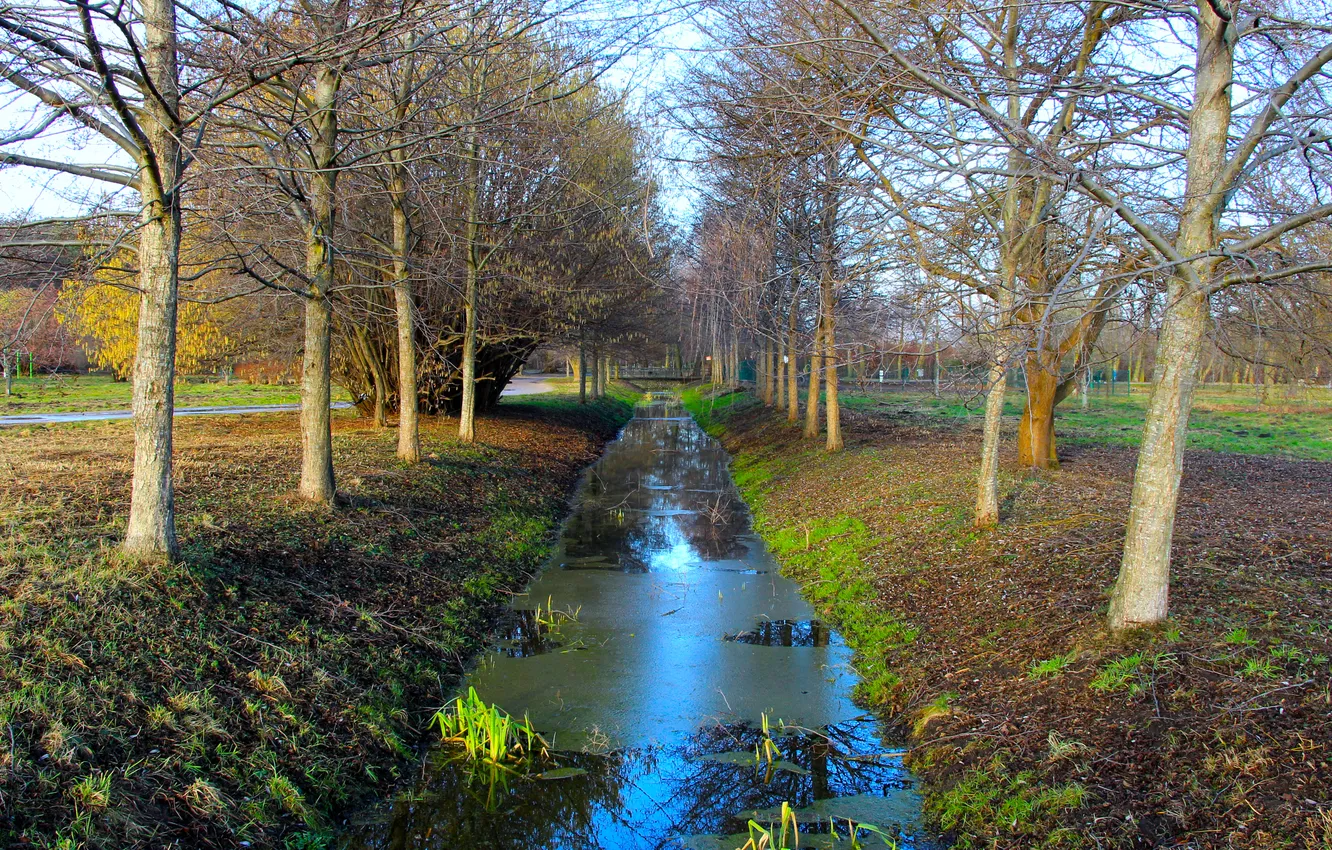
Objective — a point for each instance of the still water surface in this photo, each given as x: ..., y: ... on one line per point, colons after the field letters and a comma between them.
x: 684, y: 637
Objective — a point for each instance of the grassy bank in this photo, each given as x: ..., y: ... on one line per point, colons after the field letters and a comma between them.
x: 1032, y: 726
x: 283, y: 669
x: 1290, y: 421
x: 77, y: 393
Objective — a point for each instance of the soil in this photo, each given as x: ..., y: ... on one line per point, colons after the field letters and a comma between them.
x: 1213, y: 732
x: 285, y: 668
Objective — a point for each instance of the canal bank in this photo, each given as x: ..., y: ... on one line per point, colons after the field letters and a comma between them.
x: 1031, y: 726
x: 683, y: 686
x: 283, y: 671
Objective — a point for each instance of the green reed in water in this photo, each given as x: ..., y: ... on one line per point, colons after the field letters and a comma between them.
x: 767, y: 752
x: 785, y: 836
x: 486, y: 732
x: 551, y: 618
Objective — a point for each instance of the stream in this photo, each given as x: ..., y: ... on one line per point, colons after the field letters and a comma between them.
x: 674, y: 636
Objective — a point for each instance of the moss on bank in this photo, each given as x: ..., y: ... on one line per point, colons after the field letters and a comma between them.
x: 284, y: 668
x: 1031, y: 726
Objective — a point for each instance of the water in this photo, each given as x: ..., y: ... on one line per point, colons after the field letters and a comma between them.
x: 681, y: 636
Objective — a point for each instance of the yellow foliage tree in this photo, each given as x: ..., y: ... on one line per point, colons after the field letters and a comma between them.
x: 103, y: 313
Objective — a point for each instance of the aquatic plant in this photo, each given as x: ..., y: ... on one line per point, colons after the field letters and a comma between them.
x: 551, y: 618
x: 486, y: 732
x: 766, y: 752
x: 785, y: 836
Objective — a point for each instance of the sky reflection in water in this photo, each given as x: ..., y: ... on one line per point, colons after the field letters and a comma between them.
x: 685, y: 635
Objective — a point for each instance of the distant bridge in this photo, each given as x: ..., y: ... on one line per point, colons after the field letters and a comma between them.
x: 658, y: 373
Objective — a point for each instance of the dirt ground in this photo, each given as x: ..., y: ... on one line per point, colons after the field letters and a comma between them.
x: 1032, y: 726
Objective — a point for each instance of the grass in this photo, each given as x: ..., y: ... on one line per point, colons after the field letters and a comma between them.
x: 286, y: 666
x: 1291, y: 422
x: 78, y: 393
x: 992, y: 793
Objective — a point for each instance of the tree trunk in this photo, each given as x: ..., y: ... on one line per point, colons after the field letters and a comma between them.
x: 815, y: 371
x: 987, y: 484
x: 582, y: 374
x: 1036, y: 438
x: 467, y: 410
x: 770, y: 377
x: 409, y: 437
x: 471, y: 228
x: 1142, y: 591
x: 781, y: 361
x: 378, y: 379
x: 830, y: 370
x: 792, y: 372
x: 317, y: 483
x: 9, y: 376
x: 151, y: 530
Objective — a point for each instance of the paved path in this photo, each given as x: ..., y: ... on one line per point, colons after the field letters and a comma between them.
x: 525, y: 385
x: 94, y: 415
x: 528, y: 385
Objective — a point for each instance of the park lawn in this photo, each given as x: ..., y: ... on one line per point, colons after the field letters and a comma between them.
x: 284, y: 668
x: 1030, y: 724
x: 80, y: 393
x: 1295, y: 423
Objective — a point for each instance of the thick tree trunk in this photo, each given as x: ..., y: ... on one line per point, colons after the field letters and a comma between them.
x: 151, y: 530
x: 815, y: 373
x: 1036, y: 437
x: 1141, y: 594
x: 317, y: 482
x: 1142, y: 591
x: 781, y: 360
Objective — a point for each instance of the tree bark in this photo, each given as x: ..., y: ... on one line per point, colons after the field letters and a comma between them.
x: 987, y: 485
x: 409, y: 435
x: 317, y: 482
x: 151, y: 530
x: 1142, y: 590
x: 467, y: 411
x: 792, y: 372
x: 830, y: 369
x: 1036, y: 437
x: 815, y: 371
x: 582, y: 374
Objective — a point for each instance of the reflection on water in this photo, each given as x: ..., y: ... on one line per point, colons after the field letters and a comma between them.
x: 685, y: 637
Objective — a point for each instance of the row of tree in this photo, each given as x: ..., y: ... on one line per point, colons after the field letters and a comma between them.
x: 1016, y: 179
x: 419, y: 191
